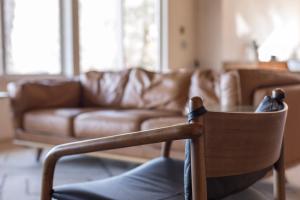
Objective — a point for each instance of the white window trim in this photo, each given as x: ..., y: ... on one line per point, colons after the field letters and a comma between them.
x: 163, y: 35
x: 70, y: 37
x: 2, y: 42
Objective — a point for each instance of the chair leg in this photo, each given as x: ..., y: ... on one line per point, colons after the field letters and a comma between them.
x: 199, y: 188
x: 166, y: 148
x: 39, y: 152
x: 279, y: 178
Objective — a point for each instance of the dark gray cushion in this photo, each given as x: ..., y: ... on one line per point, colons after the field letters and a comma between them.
x: 158, y: 179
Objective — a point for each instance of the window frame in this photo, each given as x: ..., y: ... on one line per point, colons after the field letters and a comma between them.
x: 70, y: 39
x: 2, y: 40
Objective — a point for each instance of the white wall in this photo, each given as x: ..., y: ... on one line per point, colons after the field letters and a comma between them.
x: 209, y: 33
x: 227, y: 27
x: 182, y: 47
x: 274, y: 24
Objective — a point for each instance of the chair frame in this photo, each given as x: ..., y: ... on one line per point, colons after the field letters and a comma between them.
x: 194, y: 131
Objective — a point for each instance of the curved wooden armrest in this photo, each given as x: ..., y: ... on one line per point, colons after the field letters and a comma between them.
x: 177, y: 132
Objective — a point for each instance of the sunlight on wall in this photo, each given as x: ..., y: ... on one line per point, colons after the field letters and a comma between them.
x: 242, y: 27
x: 283, y: 40
x: 273, y: 24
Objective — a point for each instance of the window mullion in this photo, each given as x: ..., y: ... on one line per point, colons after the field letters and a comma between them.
x: 76, y: 37
x: 163, y: 35
x: 2, y: 41
x: 70, y: 46
x: 121, y: 58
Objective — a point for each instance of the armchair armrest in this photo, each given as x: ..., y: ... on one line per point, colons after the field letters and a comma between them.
x: 28, y: 95
x: 181, y: 131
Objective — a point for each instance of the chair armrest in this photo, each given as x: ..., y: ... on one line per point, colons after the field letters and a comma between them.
x: 39, y: 94
x: 177, y: 132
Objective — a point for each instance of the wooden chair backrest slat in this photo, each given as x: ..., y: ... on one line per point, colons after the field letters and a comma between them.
x: 239, y: 143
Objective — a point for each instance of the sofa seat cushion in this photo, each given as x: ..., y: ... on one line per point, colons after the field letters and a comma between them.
x: 177, y: 145
x: 110, y: 122
x: 53, y: 121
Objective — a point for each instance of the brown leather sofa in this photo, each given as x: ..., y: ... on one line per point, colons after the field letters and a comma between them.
x: 99, y: 104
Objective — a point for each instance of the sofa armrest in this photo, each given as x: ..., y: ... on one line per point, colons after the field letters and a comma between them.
x: 29, y: 95
x: 177, y: 132
x: 292, y: 94
x: 292, y: 134
x: 250, y: 80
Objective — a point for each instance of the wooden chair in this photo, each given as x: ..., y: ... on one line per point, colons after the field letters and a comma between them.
x: 223, y: 144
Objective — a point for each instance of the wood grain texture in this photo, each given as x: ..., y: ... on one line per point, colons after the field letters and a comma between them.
x: 199, y: 190
x: 176, y: 132
x: 223, y: 144
x: 242, y: 142
x: 279, y: 177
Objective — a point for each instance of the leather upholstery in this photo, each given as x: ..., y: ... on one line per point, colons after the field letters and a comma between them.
x: 53, y: 121
x: 159, y: 179
x: 109, y: 122
x: 162, y: 122
x: 32, y: 95
x: 251, y: 80
x: 230, y: 89
x: 148, y: 90
x: 103, y: 88
x: 177, y: 145
x: 162, y: 91
x: 205, y: 83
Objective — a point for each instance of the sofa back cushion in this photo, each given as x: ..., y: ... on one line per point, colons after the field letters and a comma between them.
x: 103, y: 88
x: 164, y: 91
x: 230, y: 91
x: 205, y: 83
x: 29, y: 95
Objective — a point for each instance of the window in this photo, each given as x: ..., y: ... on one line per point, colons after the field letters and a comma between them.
x: 100, y: 47
x: 116, y: 34
x: 41, y: 36
x: 141, y: 33
x: 31, y: 33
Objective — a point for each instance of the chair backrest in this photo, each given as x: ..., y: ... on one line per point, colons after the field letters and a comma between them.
x: 239, y: 143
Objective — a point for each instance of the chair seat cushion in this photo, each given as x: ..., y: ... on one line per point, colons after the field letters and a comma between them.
x: 110, y: 122
x: 158, y: 179
x: 56, y: 121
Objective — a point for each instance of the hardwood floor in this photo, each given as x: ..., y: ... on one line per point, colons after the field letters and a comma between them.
x: 20, y: 174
